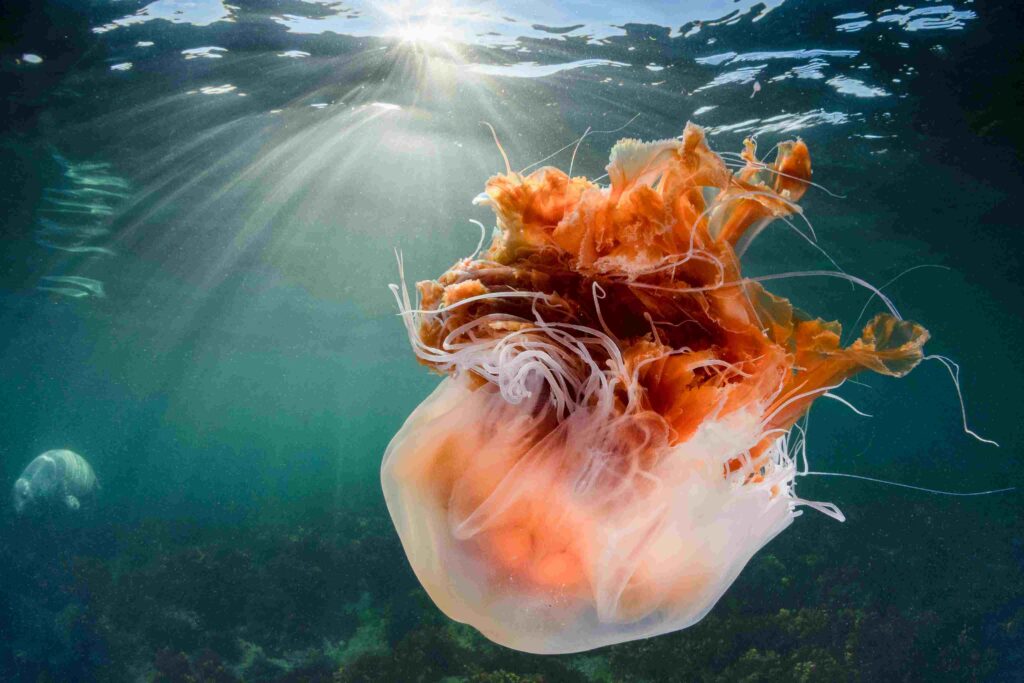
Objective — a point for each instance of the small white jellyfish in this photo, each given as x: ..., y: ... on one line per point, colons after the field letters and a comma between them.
x: 57, y: 477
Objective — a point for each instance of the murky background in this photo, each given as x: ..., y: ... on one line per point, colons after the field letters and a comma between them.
x: 201, y: 206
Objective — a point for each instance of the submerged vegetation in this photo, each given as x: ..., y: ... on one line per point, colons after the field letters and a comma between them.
x: 332, y: 600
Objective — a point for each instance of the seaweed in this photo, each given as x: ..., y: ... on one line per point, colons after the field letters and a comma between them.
x: 331, y: 600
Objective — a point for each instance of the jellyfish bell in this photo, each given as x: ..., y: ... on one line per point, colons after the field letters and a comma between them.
x: 56, y: 479
x: 611, y: 442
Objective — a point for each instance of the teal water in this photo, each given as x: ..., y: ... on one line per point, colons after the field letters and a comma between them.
x: 202, y: 203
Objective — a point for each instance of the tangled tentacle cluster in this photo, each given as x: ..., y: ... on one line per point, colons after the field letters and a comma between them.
x: 633, y: 292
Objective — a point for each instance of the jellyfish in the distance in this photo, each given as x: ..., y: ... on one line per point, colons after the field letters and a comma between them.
x: 612, y: 442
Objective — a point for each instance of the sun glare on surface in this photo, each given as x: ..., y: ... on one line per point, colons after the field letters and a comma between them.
x: 427, y: 24
x: 427, y: 33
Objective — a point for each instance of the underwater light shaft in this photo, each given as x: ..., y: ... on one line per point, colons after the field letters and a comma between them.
x: 611, y: 444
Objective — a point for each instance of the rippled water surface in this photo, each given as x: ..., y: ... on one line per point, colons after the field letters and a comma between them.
x: 202, y: 203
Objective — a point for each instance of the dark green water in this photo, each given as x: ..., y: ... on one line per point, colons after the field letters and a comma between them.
x: 226, y: 354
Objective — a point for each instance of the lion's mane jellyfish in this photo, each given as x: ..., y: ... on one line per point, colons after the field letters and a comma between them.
x: 611, y: 443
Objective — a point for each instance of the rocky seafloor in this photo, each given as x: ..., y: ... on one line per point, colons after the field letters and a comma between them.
x: 919, y: 588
